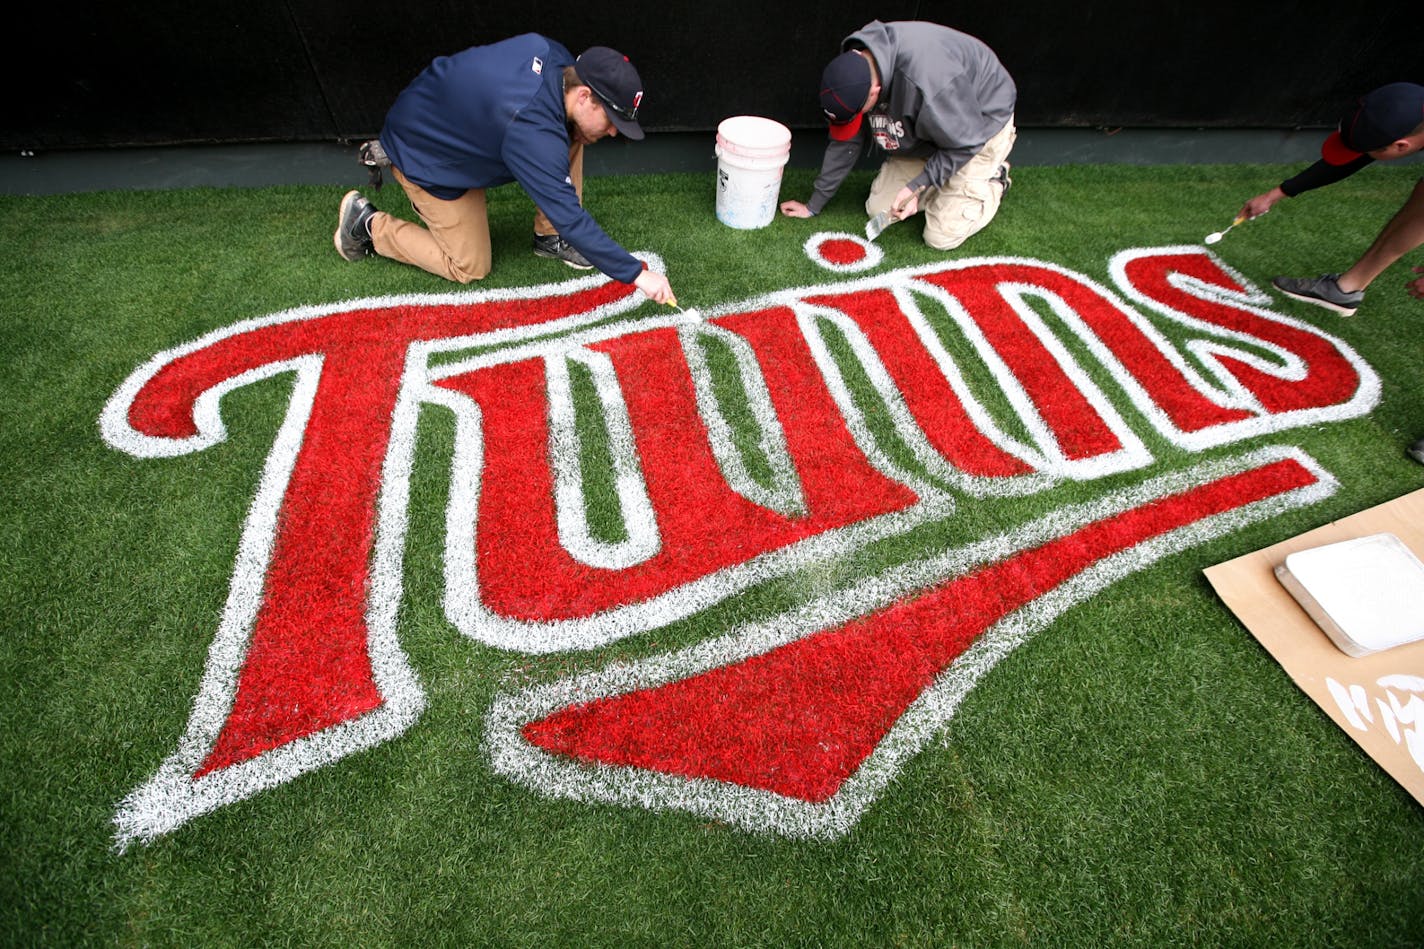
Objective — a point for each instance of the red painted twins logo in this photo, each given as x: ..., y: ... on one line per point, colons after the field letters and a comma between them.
x: 990, y: 376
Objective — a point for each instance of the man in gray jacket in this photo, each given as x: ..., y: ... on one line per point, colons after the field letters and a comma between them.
x: 940, y: 105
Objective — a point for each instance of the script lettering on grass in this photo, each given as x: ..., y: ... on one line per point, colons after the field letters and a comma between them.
x: 805, y: 425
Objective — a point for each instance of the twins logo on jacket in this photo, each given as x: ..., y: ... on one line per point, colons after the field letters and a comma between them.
x: 887, y: 133
x: 999, y: 377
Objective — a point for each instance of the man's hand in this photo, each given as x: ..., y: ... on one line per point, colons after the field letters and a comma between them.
x: 655, y: 285
x: 1416, y: 286
x: 795, y: 209
x: 1262, y: 203
x: 905, y: 205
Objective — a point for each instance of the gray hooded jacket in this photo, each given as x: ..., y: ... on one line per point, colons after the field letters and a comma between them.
x: 943, y: 95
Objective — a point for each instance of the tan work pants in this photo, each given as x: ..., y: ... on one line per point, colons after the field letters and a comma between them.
x: 454, y: 242
x: 963, y: 206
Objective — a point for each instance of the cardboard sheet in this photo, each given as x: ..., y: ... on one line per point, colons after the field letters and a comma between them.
x: 1377, y: 699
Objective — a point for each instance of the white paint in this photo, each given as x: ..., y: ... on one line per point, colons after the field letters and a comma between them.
x: 1345, y: 704
x: 1401, y: 709
x: 1388, y: 717
x: 784, y: 495
x: 1362, y: 702
x: 872, y: 259
x: 636, y: 510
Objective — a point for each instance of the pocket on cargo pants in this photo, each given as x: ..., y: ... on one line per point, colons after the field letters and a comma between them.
x: 958, y: 212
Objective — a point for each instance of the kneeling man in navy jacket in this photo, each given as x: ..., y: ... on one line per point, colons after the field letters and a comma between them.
x: 519, y: 110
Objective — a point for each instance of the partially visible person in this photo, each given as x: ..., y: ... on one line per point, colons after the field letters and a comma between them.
x: 1385, y: 124
x: 520, y: 110
x: 940, y: 106
x: 1416, y: 290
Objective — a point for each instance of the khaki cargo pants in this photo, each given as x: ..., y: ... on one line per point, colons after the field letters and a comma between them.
x: 963, y: 206
x: 455, y: 240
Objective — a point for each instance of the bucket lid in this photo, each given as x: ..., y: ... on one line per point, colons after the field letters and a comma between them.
x: 754, y: 132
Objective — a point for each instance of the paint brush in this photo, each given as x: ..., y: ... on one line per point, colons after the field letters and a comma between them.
x: 875, y: 225
x: 1213, y: 238
x: 884, y: 219
x: 693, y: 313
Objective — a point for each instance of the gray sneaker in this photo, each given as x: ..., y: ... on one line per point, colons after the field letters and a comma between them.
x: 556, y: 248
x: 1322, y: 291
x: 353, y: 227
x: 1416, y: 451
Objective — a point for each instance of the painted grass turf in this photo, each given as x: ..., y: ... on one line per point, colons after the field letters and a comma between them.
x: 1140, y: 773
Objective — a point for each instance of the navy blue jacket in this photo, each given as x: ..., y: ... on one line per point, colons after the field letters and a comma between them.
x: 491, y: 115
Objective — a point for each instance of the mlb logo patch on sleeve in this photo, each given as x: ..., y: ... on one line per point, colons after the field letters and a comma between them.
x: 537, y: 66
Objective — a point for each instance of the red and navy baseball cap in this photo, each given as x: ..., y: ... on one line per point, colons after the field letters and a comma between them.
x: 1372, y: 121
x: 845, y: 85
x: 616, y: 83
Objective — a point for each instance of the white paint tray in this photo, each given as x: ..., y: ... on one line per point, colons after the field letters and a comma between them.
x: 1367, y: 594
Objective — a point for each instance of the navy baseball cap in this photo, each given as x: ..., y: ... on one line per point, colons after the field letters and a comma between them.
x: 845, y: 85
x: 616, y: 83
x: 1372, y: 121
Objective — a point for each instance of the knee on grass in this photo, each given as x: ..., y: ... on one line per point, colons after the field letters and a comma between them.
x: 466, y: 272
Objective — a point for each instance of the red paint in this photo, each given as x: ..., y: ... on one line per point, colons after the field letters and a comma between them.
x: 841, y: 252
x: 799, y: 720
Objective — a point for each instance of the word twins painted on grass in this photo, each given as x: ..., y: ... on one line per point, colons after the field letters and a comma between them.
x: 756, y: 442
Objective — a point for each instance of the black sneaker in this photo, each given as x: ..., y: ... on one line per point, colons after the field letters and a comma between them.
x: 1322, y: 291
x: 353, y: 227
x: 1416, y: 451
x: 556, y: 248
x: 1002, y: 177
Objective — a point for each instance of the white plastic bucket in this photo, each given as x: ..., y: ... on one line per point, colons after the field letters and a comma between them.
x: 751, y: 153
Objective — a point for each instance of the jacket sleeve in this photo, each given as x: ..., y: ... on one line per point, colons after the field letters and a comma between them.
x: 1320, y: 174
x: 538, y: 157
x: 839, y: 159
x: 954, y: 106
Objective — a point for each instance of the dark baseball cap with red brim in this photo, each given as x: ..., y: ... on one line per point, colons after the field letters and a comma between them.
x: 845, y: 85
x: 1372, y: 121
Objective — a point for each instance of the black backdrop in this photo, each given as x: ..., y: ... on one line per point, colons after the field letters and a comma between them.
x: 166, y: 72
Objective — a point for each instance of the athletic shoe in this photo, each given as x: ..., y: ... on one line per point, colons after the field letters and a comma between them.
x: 1322, y: 291
x: 353, y: 227
x: 1002, y: 177
x: 1416, y: 451
x: 373, y: 156
x: 556, y: 248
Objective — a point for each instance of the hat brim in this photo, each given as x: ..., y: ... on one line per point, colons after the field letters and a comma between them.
x: 629, y: 128
x: 1336, y: 152
x: 847, y: 130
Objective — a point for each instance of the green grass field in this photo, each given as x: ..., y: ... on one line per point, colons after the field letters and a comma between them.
x: 1141, y: 772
